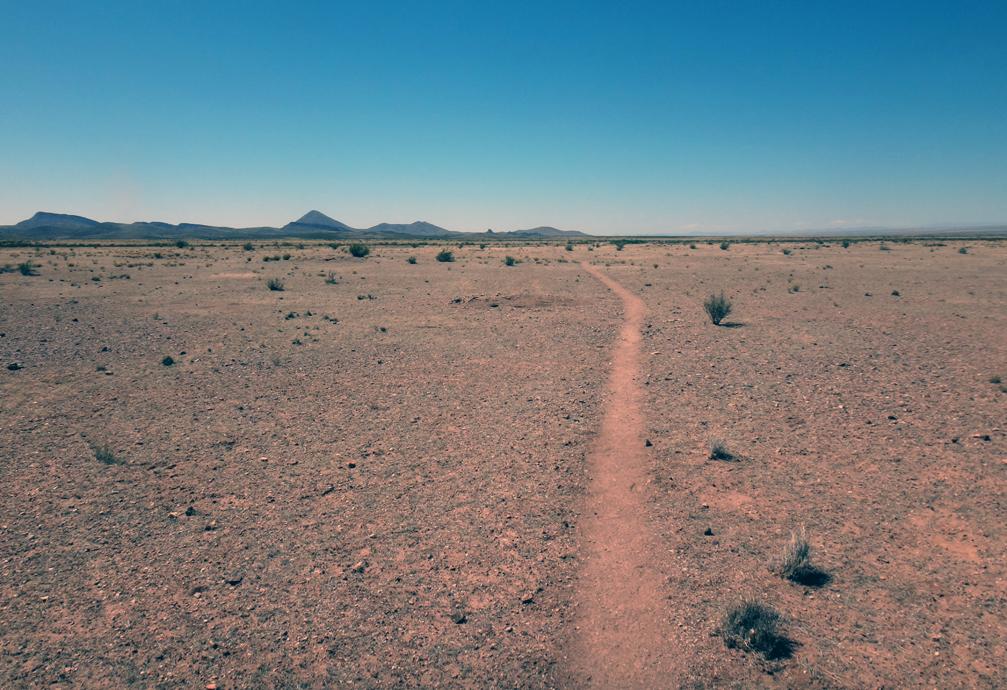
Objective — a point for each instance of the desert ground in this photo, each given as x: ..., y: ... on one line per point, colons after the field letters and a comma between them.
x: 473, y: 474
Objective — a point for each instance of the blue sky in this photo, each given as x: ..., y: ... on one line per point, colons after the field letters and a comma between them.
x: 625, y: 117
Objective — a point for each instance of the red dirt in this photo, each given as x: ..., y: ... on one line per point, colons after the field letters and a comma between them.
x: 416, y: 476
x: 625, y: 638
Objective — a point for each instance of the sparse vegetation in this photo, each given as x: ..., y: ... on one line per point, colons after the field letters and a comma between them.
x: 725, y: 245
x: 796, y: 555
x: 717, y: 308
x: 963, y: 250
x: 411, y: 260
x: 787, y: 252
x: 275, y: 284
x: 719, y: 451
x: 181, y: 244
x: 331, y: 279
x: 358, y: 250
x: 168, y: 361
x: 754, y: 627
x: 445, y: 256
x: 569, y: 246
x: 249, y: 247
x: 105, y: 455
x: 509, y: 260
x: 27, y: 269
x: 795, y: 564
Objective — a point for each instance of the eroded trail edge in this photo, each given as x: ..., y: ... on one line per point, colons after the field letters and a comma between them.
x: 624, y: 637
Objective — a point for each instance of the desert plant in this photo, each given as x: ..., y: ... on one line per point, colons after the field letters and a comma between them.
x: 359, y: 250
x: 619, y: 245
x: 796, y: 556
x: 717, y: 308
x: 105, y: 455
x: 569, y: 246
x: 411, y: 260
x: 275, y: 284
x: 787, y: 252
x: 794, y: 563
x: 725, y: 245
x: 27, y: 269
x: 445, y: 256
x: 181, y: 244
x: 331, y: 279
x: 509, y: 261
x: 168, y: 361
x: 249, y: 247
x: 754, y: 627
x: 719, y: 451
x: 995, y: 379
x: 963, y: 250
x: 846, y: 244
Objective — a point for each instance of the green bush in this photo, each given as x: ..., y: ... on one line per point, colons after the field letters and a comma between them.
x: 719, y: 451
x: 445, y: 256
x: 105, y: 455
x: 717, y: 308
x: 754, y: 627
x: 359, y: 250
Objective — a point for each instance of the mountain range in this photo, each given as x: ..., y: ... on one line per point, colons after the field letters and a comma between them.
x: 312, y: 225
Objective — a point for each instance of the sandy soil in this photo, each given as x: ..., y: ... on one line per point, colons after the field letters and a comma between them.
x: 398, y: 479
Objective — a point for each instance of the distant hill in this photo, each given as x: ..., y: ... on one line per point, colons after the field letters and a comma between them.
x: 312, y: 225
x: 318, y: 221
x: 545, y: 231
x: 43, y: 219
x: 420, y: 228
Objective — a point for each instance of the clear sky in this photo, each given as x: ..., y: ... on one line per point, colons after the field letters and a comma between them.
x: 620, y: 117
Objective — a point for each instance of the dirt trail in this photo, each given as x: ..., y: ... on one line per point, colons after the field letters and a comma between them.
x: 624, y: 637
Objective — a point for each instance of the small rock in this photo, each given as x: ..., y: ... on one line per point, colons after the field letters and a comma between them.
x: 648, y: 444
x: 708, y: 532
x: 234, y: 580
x: 14, y: 366
x: 458, y: 618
